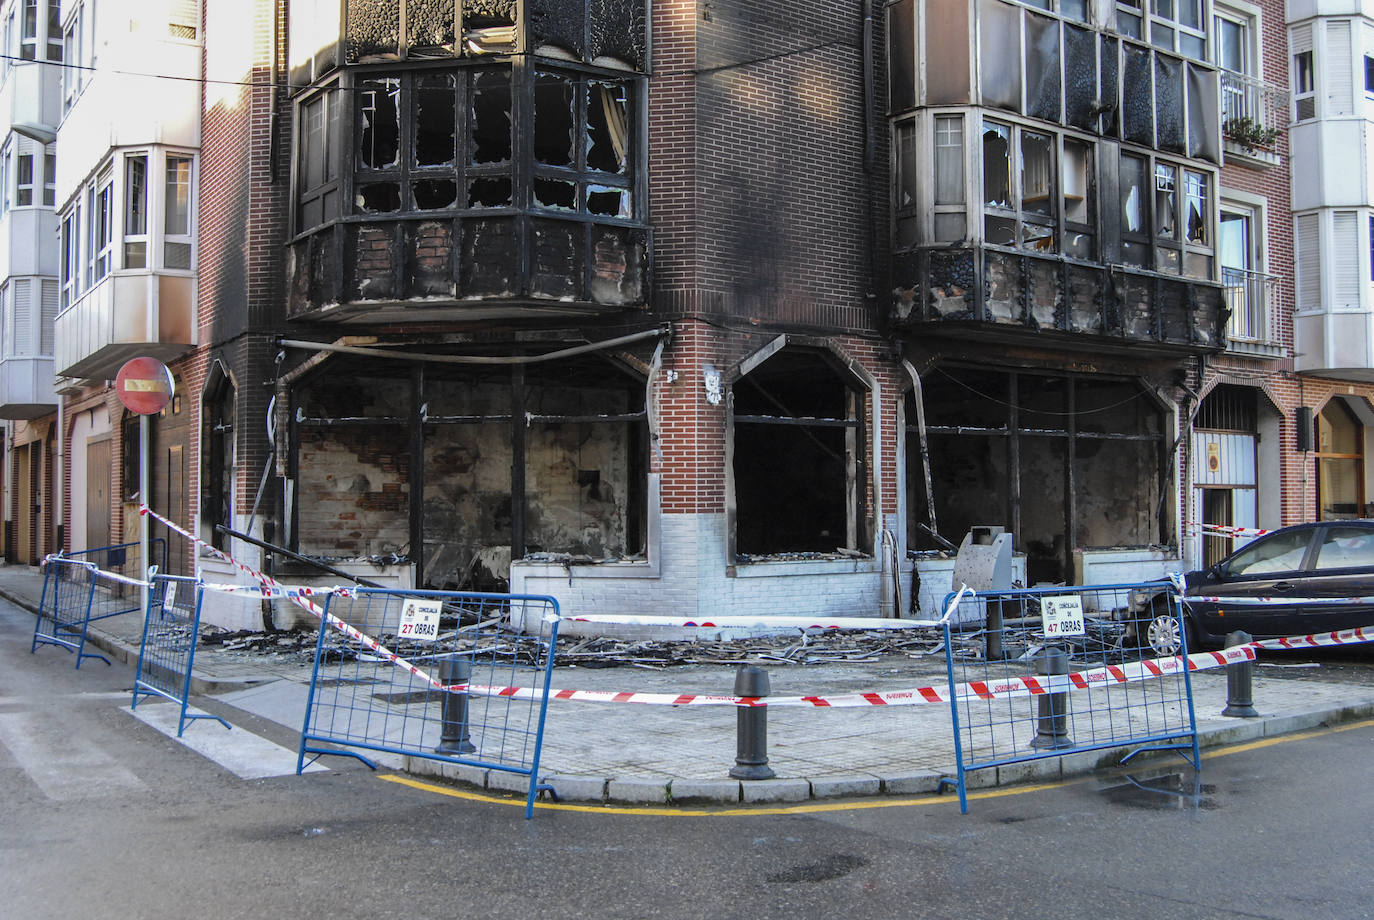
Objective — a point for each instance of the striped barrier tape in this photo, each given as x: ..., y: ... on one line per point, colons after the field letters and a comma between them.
x: 301, y: 598
x: 95, y: 570
x: 1226, y: 530
x: 1318, y: 640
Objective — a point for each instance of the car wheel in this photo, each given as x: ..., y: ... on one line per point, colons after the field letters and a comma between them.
x: 1162, y: 632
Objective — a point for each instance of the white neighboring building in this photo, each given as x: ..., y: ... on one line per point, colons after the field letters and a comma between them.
x: 30, y: 80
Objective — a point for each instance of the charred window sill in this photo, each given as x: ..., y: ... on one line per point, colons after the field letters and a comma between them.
x: 801, y: 564
x: 568, y: 566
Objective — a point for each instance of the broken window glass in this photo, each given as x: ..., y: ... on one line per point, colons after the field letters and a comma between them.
x: 1135, y: 247
x: 907, y: 175
x: 609, y: 202
x: 608, y: 126
x: 489, y: 192
x: 554, y: 120
x: 379, y: 123
x: 379, y: 197
x: 949, y: 162
x: 434, y: 120
x: 555, y: 193
x: 1037, y: 173
x: 1137, y: 116
x: 1196, y: 198
x: 996, y: 165
x: 1166, y: 202
x: 1081, y: 81
x: 1108, y: 88
x: 1169, y: 109
x: 489, y: 130
x: 433, y: 194
x: 1078, y: 200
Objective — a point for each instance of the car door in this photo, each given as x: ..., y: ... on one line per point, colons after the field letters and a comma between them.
x: 1342, y: 567
x: 1270, y: 567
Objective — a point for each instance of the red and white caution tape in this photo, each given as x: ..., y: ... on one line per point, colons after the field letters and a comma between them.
x: 755, y: 622
x: 96, y: 571
x: 1318, y: 640
x: 1226, y: 530
x: 301, y: 598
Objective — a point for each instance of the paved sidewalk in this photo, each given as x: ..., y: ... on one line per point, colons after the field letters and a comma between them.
x: 654, y: 754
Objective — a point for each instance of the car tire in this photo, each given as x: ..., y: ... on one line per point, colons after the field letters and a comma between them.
x: 1163, y: 633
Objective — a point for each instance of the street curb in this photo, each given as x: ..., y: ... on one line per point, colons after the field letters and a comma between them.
x: 621, y: 790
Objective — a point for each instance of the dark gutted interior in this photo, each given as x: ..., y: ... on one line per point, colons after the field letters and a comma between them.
x: 798, y: 448
x: 550, y: 458
x: 1062, y: 461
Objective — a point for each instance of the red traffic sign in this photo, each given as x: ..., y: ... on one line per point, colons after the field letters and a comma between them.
x: 144, y: 386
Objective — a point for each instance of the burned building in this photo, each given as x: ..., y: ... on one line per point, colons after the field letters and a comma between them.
x: 703, y: 307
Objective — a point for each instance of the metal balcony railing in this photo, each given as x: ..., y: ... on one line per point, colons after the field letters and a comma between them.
x: 1251, y: 297
x: 1253, y: 112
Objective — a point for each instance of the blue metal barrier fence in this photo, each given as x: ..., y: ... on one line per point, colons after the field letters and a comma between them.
x: 167, y: 652
x: 65, y: 609
x: 1045, y: 672
x: 113, y: 597
x: 362, y: 698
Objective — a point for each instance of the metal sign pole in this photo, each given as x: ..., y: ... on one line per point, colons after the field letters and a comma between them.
x: 144, y: 499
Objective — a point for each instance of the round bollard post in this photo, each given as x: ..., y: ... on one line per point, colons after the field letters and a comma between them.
x: 453, y: 738
x: 1051, y: 723
x: 1240, y: 682
x: 751, y: 726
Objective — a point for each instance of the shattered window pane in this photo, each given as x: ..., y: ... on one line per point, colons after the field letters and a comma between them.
x: 490, y: 192
x: 434, y: 120
x: 1037, y: 173
x: 432, y: 194
x: 379, y: 197
x: 489, y: 128
x: 1077, y: 181
x: 1081, y: 82
x: 555, y: 193
x: 996, y: 165
x: 949, y: 160
x: 1108, y: 90
x: 1137, y: 116
x: 1169, y: 103
x: 609, y: 202
x: 999, y: 231
x: 1132, y: 194
x: 554, y: 120
x: 1166, y: 202
x: 1199, y: 221
x: 608, y: 126
x: 379, y: 123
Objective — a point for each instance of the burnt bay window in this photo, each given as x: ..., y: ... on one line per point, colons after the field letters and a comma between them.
x: 435, y: 141
x: 432, y: 187
x: 1065, y: 462
x: 798, y: 447
x: 1037, y: 190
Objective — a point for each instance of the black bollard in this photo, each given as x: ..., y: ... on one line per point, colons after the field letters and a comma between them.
x: 751, y: 726
x: 1240, y: 682
x: 454, y: 739
x: 1051, y: 724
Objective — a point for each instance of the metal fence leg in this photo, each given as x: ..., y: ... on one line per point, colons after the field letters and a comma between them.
x: 1051, y: 724
x: 751, y: 726
x: 1240, y: 682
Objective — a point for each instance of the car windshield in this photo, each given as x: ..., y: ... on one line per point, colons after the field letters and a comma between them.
x: 1281, y: 552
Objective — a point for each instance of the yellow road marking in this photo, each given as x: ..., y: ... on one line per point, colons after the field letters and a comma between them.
x: 821, y: 807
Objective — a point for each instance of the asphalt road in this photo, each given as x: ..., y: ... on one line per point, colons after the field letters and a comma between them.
x: 104, y: 817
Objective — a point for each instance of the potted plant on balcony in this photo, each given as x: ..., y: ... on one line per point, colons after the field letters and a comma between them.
x: 1250, y: 134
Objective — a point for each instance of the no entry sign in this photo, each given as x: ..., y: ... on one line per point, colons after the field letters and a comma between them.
x: 144, y: 386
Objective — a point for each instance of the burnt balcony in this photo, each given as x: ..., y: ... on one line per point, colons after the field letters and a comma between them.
x: 424, y: 269
x: 1253, y: 116
x: 1012, y: 296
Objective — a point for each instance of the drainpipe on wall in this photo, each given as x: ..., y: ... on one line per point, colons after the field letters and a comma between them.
x: 59, y: 480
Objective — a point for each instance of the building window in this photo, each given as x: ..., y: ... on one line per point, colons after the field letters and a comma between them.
x: 71, y: 256
x: 136, y: 212
x: 1177, y: 209
x: 6, y: 173
x: 23, y: 180
x: 950, y: 223
x: 177, y: 214
x: 1036, y: 195
x: 49, y: 178
x: 28, y: 42
x: 79, y: 54
x: 798, y: 477
x: 1304, y: 87
x: 1174, y: 25
x: 183, y: 19
x: 1340, y: 462
x: 318, y: 177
